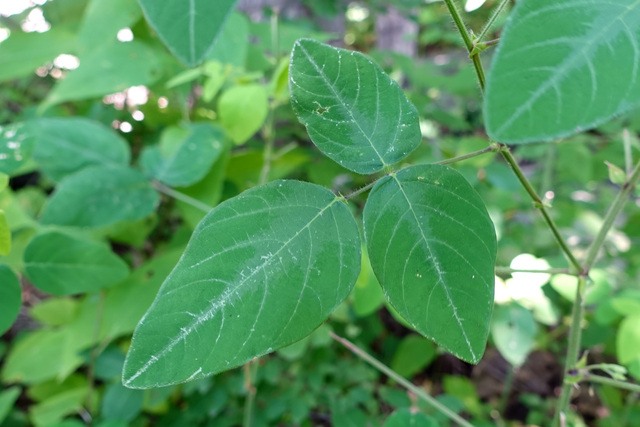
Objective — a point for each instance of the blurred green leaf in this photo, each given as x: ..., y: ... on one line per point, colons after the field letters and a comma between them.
x: 243, y: 110
x: 10, y: 298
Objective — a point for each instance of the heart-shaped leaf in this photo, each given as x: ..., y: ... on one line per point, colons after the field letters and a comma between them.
x: 354, y: 112
x: 262, y: 271
x: 568, y: 77
x: 189, y: 28
x: 432, y: 246
x: 64, y: 265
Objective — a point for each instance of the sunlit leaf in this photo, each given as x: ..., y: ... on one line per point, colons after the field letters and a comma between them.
x: 432, y: 246
x: 243, y: 110
x: 262, y: 271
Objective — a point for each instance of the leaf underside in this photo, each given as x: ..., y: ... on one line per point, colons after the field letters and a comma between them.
x: 262, y: 270
x: 432, y: 246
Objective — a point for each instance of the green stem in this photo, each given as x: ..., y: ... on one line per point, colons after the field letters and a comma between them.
x: 267, y: 155
x: 492, y: 20
x: 610, y: 381
x: 628, y: 157
x: 575, y: 334
x: 182, y: 197
x: 491, y: 149
x: 400, y: 380
x: 610, y: 217
x: 250, y: 369
x: 509, y: 270
x: 506, y: 389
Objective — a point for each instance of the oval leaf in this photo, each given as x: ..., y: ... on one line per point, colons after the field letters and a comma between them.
x: 188, y: 28
x: 185, y: 161
x: 567, y: 78
x: 10, y: 298
x: 432, y: 246
x: 63, y: 265
x: 101, y: 196
x: 513, y: 330
x: 354, y: 112
x: 262, y: 271
x: 65, y: 146
x: 243, y: 110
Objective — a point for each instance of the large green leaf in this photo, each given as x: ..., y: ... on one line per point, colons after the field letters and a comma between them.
x: 432, y: 246
x: 16, y: 145
x: 261, y: 271
x: 102, y: 20
x: 513, y: 329
x: 563, y: 67
x: 63, y: 265
x: 184, y: 158
x: 10, y: 298
x: 101, y: 195
x: 65, y: 146
x: 233, y: 43
x: 354, y: 112
x: 188, y: 28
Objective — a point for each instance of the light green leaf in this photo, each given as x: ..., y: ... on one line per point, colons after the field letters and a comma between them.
x: 243, y: 110
x: 188, y: 28
x: 10, y: 298
x: 406, y: 418
x: 432, y: 246
x: 261, y: 271
x: 63, y: 265
x: 628, y: 340
x: 354, y: 112
x: 367, y: 293
x: 5, y: 235
x: 22, y: 53
x: 189, y: 160
x: 102, y: 20
x: 7, y: 398
x: 413, y: 354
x: 568, y: 78
x: 16, y: 144
x: 67, y: 145
x: 513, y: 330
x: 100, y: 196
x: 55, y: 311
x: 54, y: 409
x: 111, y: 68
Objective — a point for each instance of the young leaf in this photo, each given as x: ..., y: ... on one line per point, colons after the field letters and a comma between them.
x: 189, y: 161
x: 10, y: 298
x: 262, y: 271
x: 100, y: 196
x: 513, y: 330
x: 628, y: 340
x: 188, y: 28
x: 243, y: 110
x: 432, y: 246
x: 354, y: 112
x: 65, y: 146
x: 550, y: 83
x: 63, y: 265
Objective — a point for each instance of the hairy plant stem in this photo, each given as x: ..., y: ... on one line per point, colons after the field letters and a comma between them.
x: 93, y: 356
x: 496, y: 12
x: 509, y: 270
x: 182, y: 197
x: 610, y: 381
x: 610, y: 217
x: 400, y: 380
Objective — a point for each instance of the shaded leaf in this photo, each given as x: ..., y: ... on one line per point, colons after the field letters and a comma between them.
x: 261, y: 271
x: 406, y: 418
x: 354, y: 112
x: 413, y: 354
x: 16, y: 144
x: 432, y: 246
x: 10, y: 298
x: 121, y: 403
x: 513, y: 330
x: 568, y: 78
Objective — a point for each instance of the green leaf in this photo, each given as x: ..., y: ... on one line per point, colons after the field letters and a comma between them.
x: 118, y: 65
x: 7, y: 398
x: 568, y: 78
x: 188, y: 28
x: 16, y: 144
x: 243, y: 110
x: 513, y: 330
x: 628, y: 340
x: 432, y: 246
x: 367, y: 293
x: 616, y: 175
x: 121, y: 403
x: 63, y: 265
x: 5, y: 235
x: 22, y: 53
x: 54, y: 409
x: 10, y: 298
x: 55, y: 311
x: 406, y: 418
x: 413, y: 355
x: 100, y: 196
x: 233, y: 43
x: 190, y: 158
x: 261, y: 271
x: 354, y: 112
x: 65, y: 146
x: 102, y: 21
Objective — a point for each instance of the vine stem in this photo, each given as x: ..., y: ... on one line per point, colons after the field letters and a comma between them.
x: 509, y: 270
x: 400, y: 380
x: 610, y: 381
x: 181, y: 196
x: 610, y: 217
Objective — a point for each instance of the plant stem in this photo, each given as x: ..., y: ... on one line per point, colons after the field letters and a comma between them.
x: 249, y: 374
x: 610, y: 381
x: 509, y: 270
x: 491, y: 149
x: 93, y: 355
x: 400, y: 380
x: 610, y: 217
x: 628, y: 157
x: 181, y: 196
x: 492, y: 20
x: 575, y: 333
x: 506, y: 389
